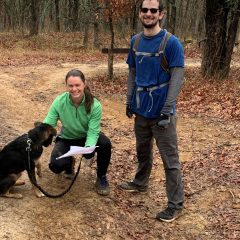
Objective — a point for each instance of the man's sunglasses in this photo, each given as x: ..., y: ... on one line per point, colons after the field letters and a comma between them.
x: 152, y: 10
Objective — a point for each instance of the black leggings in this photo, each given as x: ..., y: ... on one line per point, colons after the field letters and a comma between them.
x: 65, y: 164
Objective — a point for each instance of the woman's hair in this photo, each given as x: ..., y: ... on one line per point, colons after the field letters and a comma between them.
x: 88, y: 95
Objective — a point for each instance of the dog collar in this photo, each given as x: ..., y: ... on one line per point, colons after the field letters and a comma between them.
x: 29, y: 142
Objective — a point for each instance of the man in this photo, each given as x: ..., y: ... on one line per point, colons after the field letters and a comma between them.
x: 151, y: 97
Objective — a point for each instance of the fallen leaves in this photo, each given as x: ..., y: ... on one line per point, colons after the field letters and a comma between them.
x: 213, y: 165
x: 216, y: 168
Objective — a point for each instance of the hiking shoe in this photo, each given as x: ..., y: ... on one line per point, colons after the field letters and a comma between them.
x: 169, y: 214
x: 133, y: 187
x: 102, y: 186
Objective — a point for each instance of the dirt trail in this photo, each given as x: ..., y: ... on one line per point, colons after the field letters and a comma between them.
x: 26, y: 94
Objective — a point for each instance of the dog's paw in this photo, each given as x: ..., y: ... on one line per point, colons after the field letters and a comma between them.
x: 12, y: 195
x: 17, y: 195
x: 39, y: 194
x: 39, y: 174
x: 19, y: 183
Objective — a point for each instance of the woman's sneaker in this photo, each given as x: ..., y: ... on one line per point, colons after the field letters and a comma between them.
x: 133, y: 187
x: 169, y: 214
x: 102, y: 186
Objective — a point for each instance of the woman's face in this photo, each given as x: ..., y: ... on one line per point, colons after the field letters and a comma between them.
x: 75, y: 86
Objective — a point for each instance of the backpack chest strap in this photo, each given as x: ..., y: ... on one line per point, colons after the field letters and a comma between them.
x: 157, y: 54
x: 150, y: 90
x: 146, y: 54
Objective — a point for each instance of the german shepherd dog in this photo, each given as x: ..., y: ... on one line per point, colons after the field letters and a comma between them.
x: 14, y: 158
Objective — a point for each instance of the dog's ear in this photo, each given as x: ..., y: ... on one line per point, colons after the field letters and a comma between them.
x: 50, y: 132
x: 37, y: 123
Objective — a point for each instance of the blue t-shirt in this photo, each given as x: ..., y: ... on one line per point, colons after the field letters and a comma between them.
x: 149, y: 72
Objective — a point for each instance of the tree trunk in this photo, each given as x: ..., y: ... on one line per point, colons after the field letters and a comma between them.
x: 110, y: 50
x: 96, y: 13
x: 57, y: 20
x: 110, y: 54
x: 238, y: 34
x: 23, y: 6
x: 172, y: 20
x: 70, y: 23
x: 134, y: 18
x: 220, y: 37
x: 96, y: 35
x: 1, y: 15
x: 86, y: 35
x: 186, y: 19
x: 7, y: 17
x: 232, y: 35
x: 34, y: 7
x: 75, y: 15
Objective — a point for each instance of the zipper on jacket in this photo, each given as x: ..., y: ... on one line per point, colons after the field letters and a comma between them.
x: 76, y: 112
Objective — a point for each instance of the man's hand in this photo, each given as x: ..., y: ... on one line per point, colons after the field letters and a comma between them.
x: 163, y: 121
x: 129, y: 112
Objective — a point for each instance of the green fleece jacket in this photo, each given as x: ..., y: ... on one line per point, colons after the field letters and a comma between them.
x: 76, y: 123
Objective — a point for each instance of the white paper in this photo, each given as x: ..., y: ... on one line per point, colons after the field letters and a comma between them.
x: 78, y: 150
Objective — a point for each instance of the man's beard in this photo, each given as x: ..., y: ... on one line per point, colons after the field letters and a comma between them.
x: 149, y: 26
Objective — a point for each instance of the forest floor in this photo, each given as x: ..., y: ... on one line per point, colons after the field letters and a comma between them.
x: 209, y: 150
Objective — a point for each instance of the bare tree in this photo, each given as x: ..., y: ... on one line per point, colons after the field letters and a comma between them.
x: 170, y: 22
x: 57, y: 19
x: 96, y: 15
x: 75, y: 14
x: 34, y: 8
x: 7, y: 19
x: 110, y: 53
x: 134, y: 23
x: 221, y: 28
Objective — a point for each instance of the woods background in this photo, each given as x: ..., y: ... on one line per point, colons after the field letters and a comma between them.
x: 212, y: 23
x: 41, y: 40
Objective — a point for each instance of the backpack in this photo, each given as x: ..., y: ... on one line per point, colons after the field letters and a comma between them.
x: 162, y: 46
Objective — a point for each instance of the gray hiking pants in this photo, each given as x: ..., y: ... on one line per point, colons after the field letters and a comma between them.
x: 166, y: 139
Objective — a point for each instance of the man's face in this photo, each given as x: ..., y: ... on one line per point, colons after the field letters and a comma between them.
x: 149, y: 13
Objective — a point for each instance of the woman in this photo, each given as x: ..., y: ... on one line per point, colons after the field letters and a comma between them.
x: 80, y: 115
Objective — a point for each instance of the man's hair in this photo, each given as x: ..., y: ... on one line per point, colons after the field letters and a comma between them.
x: 88, y: 95
x: 161, y: 6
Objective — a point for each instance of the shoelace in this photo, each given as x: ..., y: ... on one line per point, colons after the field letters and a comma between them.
x: 169, y: 211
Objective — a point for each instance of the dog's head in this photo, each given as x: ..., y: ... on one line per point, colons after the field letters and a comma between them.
x: 42, y: 134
